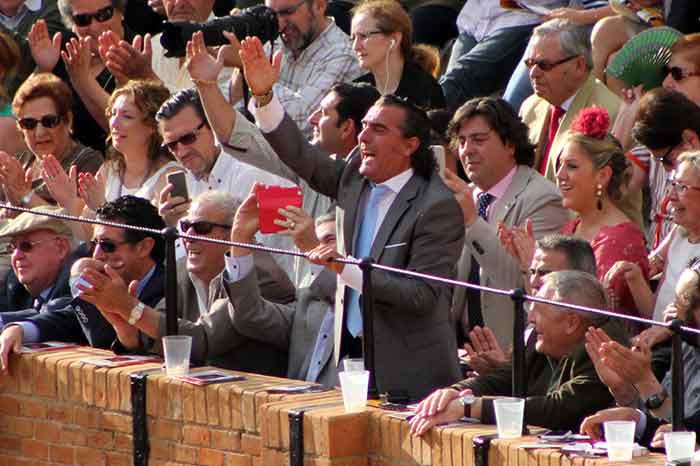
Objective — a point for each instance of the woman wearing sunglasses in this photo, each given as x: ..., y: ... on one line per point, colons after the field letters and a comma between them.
x: 42, y: 106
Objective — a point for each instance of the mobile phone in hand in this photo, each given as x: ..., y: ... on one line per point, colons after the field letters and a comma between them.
x: 179, y: 182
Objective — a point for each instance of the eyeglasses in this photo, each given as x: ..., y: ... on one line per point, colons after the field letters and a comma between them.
x: 107, y: 245
x: 290, y: 10
x: 26, y: 245
x: 201, y: 227
x: 678, y: 73
x: 102, y: 15
x: 363, y: 36
x: 546, y: 65
x: 682, y: 188
x: 47, y: 121
x: 185, y: 139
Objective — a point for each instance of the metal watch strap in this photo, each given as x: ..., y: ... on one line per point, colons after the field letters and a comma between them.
x: 136, y: 313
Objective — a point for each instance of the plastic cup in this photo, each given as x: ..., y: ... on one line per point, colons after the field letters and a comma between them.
x: 353, y: 364
x: 679, y: 445
x: 177, y: 354
x: 619, y: 437
x: 354, y: 386
x: 509, y: 417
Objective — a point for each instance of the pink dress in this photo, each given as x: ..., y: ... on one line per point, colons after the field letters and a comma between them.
x: 621, y: 242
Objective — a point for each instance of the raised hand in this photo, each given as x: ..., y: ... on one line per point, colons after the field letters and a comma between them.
x: 300, y: 226
x: 62, y: 186
x: 200, y: 64
x: 77, y: 57
x: 171, y: 208
x: 45, y: 51
x: 92, y: 189
x: 464, y: 194
x: 260, y: 74
x: 130, y: 61
x: 16, y: 181
x: 484, y: 353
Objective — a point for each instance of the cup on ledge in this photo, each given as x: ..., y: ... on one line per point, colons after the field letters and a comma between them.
x: 619, y: 437
x: 509, y: 417
x: 679, y: 445
x: 177, y: 354
x: 354, y: 386
x: 353, y: 364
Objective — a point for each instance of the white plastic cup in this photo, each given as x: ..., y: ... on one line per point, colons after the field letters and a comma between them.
x: 619, y: 438
x: 354, y: 386
x: 509, y: 417
x: 177, y: 354
x: 353, y: 364
x: 679, y: 445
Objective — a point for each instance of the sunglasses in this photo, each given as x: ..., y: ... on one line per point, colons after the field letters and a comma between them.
x: 26, y: 245
x: 47, y: 121
x: 185, y: 139
x: 678, y: 73
x: 201, y: 227
x: 107, y: 245
x: 102, y: 15
x: 546, y: 65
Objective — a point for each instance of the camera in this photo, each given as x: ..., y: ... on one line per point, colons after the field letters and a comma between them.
x: 259, y: 21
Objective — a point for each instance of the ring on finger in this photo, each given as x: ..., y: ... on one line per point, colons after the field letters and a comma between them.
x: 292, y: 225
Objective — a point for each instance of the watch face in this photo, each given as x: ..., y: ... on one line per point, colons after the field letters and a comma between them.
x: 468, y: 399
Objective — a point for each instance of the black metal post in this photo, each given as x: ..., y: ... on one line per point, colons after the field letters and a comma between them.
x: 368, y: 325
x: 677, y: 385
x: 170, y: 236
x: 519, y: 388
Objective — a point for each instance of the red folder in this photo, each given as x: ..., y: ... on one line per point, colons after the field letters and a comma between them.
x: 270, y: 200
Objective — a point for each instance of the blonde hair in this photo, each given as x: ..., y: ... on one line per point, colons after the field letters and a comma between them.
x: 606, y: 152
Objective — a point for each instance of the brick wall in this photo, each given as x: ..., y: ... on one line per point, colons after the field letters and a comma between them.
x: 55, y: 409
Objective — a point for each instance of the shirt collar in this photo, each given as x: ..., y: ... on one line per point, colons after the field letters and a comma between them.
x: 567, y: 103
x: 396, y: 183
x: 499, y: 189
x: 144, y: 280
x: 33, y: 5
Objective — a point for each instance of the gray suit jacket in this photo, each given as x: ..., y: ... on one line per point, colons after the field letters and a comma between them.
x: 414, y: 338
x: 292, y: 327
x: 529, y: 196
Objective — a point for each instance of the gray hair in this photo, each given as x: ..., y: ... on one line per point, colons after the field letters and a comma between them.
x: 692, y: 158
x: 66, y: 9
x: 578, y: 252
x: 221, y: 200
x: 580, y: 288
x: 573, y: 38
x: 324, y: 218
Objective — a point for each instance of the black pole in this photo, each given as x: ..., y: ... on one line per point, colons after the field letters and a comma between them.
x: 677, y: 385
x: 170, y: 236
x: 518, y: 370
x: 368, y: 325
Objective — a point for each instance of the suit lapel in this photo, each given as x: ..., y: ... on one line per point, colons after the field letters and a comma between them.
x: 542, y: 114
x: 401, y: 203
x: 517, y: 186
x: 351, y: 222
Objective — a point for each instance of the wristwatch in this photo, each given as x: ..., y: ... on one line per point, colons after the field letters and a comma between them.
x: 136, y: 313
x: 466, y: 401
x: 26, y: 198
x: 655, y: 401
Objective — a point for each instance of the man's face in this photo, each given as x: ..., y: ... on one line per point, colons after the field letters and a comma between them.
x: 685, y: 288
x: 96, y: 27
x: 298, y: 22
x: 543, y: 263
x: 559, y: 83
x: 384, y: 151
x: 550, y: 325
x: 686, y: 81
x: 188, y: 10
x: 199, y: 156
x: 37, y: 268
x: 126, y: 259
x: 205, y: 260
x: 325, y: 232
x: 326, y: 124
x: 485, y: 157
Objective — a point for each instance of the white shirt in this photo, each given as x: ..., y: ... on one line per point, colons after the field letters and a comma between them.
x: 481, y: 18
x: 680, y: 252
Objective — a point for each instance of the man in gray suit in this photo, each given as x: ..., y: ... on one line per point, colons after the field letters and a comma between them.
x: 392, y: 206
x: 497, y: 157
x: 304, y: 327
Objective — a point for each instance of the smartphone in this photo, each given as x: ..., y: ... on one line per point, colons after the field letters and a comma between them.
x: 439, y: 154
x: 179, y: 182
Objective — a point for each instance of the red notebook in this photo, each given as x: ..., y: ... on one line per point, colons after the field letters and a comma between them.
x: 270, y: 200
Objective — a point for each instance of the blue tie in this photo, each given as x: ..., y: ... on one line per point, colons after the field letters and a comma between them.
x: 365, y: 237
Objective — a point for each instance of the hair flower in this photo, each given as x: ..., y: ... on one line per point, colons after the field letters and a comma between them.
x: 592, y: 122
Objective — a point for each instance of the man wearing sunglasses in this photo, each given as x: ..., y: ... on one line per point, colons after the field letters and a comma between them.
x: 130, y: 276
x: 41, y: 252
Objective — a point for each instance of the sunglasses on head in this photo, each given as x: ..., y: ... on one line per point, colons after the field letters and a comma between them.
x: 47, y: 121
x: 26, y: 245
x: 185, y: 139
x: 107, y: 245
x: 678, y: 73
x: 101, y: 15
x: 201, y: 227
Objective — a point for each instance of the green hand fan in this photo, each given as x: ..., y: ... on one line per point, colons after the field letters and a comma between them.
x: 643, y: 57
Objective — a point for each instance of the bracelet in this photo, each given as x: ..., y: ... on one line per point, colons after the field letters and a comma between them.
x: 201, y: 82
x: 262, y: 99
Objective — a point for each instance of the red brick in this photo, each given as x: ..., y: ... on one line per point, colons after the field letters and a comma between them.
x: 87, y: 417
x: 60, y: 412
x: 47, y: 431
x: 35, y: 449
x: 210, y: 457
x: 123, y: 442
x: 163, y: 429
x: 61, y: 454
x: 116, y: 421
x: 185, y: 454
x: 251, y: 444
x: 23, y: 427
x: 9, y: 443
x: 73, y: 436
x: 102, y: 439
x: 226, y: 440
x: 118, y: 459
x: 196, y: 435
x: 89, y: 457
x: 237, y: 459
x: 33, y: 408
x: 160, y: 449
x: 9, y: 405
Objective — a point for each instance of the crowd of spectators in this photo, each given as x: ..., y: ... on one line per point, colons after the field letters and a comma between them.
x: 461, y: 139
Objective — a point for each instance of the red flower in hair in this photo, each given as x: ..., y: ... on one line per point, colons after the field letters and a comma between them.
x: 593, y: 122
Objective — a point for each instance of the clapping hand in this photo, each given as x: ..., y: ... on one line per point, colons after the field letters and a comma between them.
x: 46, y: 51
x: 260, y: 74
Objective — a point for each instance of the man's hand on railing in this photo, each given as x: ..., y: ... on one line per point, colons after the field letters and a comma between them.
x: 440, y: 407
x: 10, y: 341
x: 323, y: 254
x: 593, y: 425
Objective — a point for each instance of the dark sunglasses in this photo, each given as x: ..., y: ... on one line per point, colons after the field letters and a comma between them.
x: 102, y: 15
x: 546, y: 65
x: 26, y: 245
x: 47, y: 121
x: 201, y: 227
x: 185, y: 139
x: 107, y: 245
x: 678, y: 73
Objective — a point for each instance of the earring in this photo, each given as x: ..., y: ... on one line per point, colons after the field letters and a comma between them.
x: 599, y: 196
